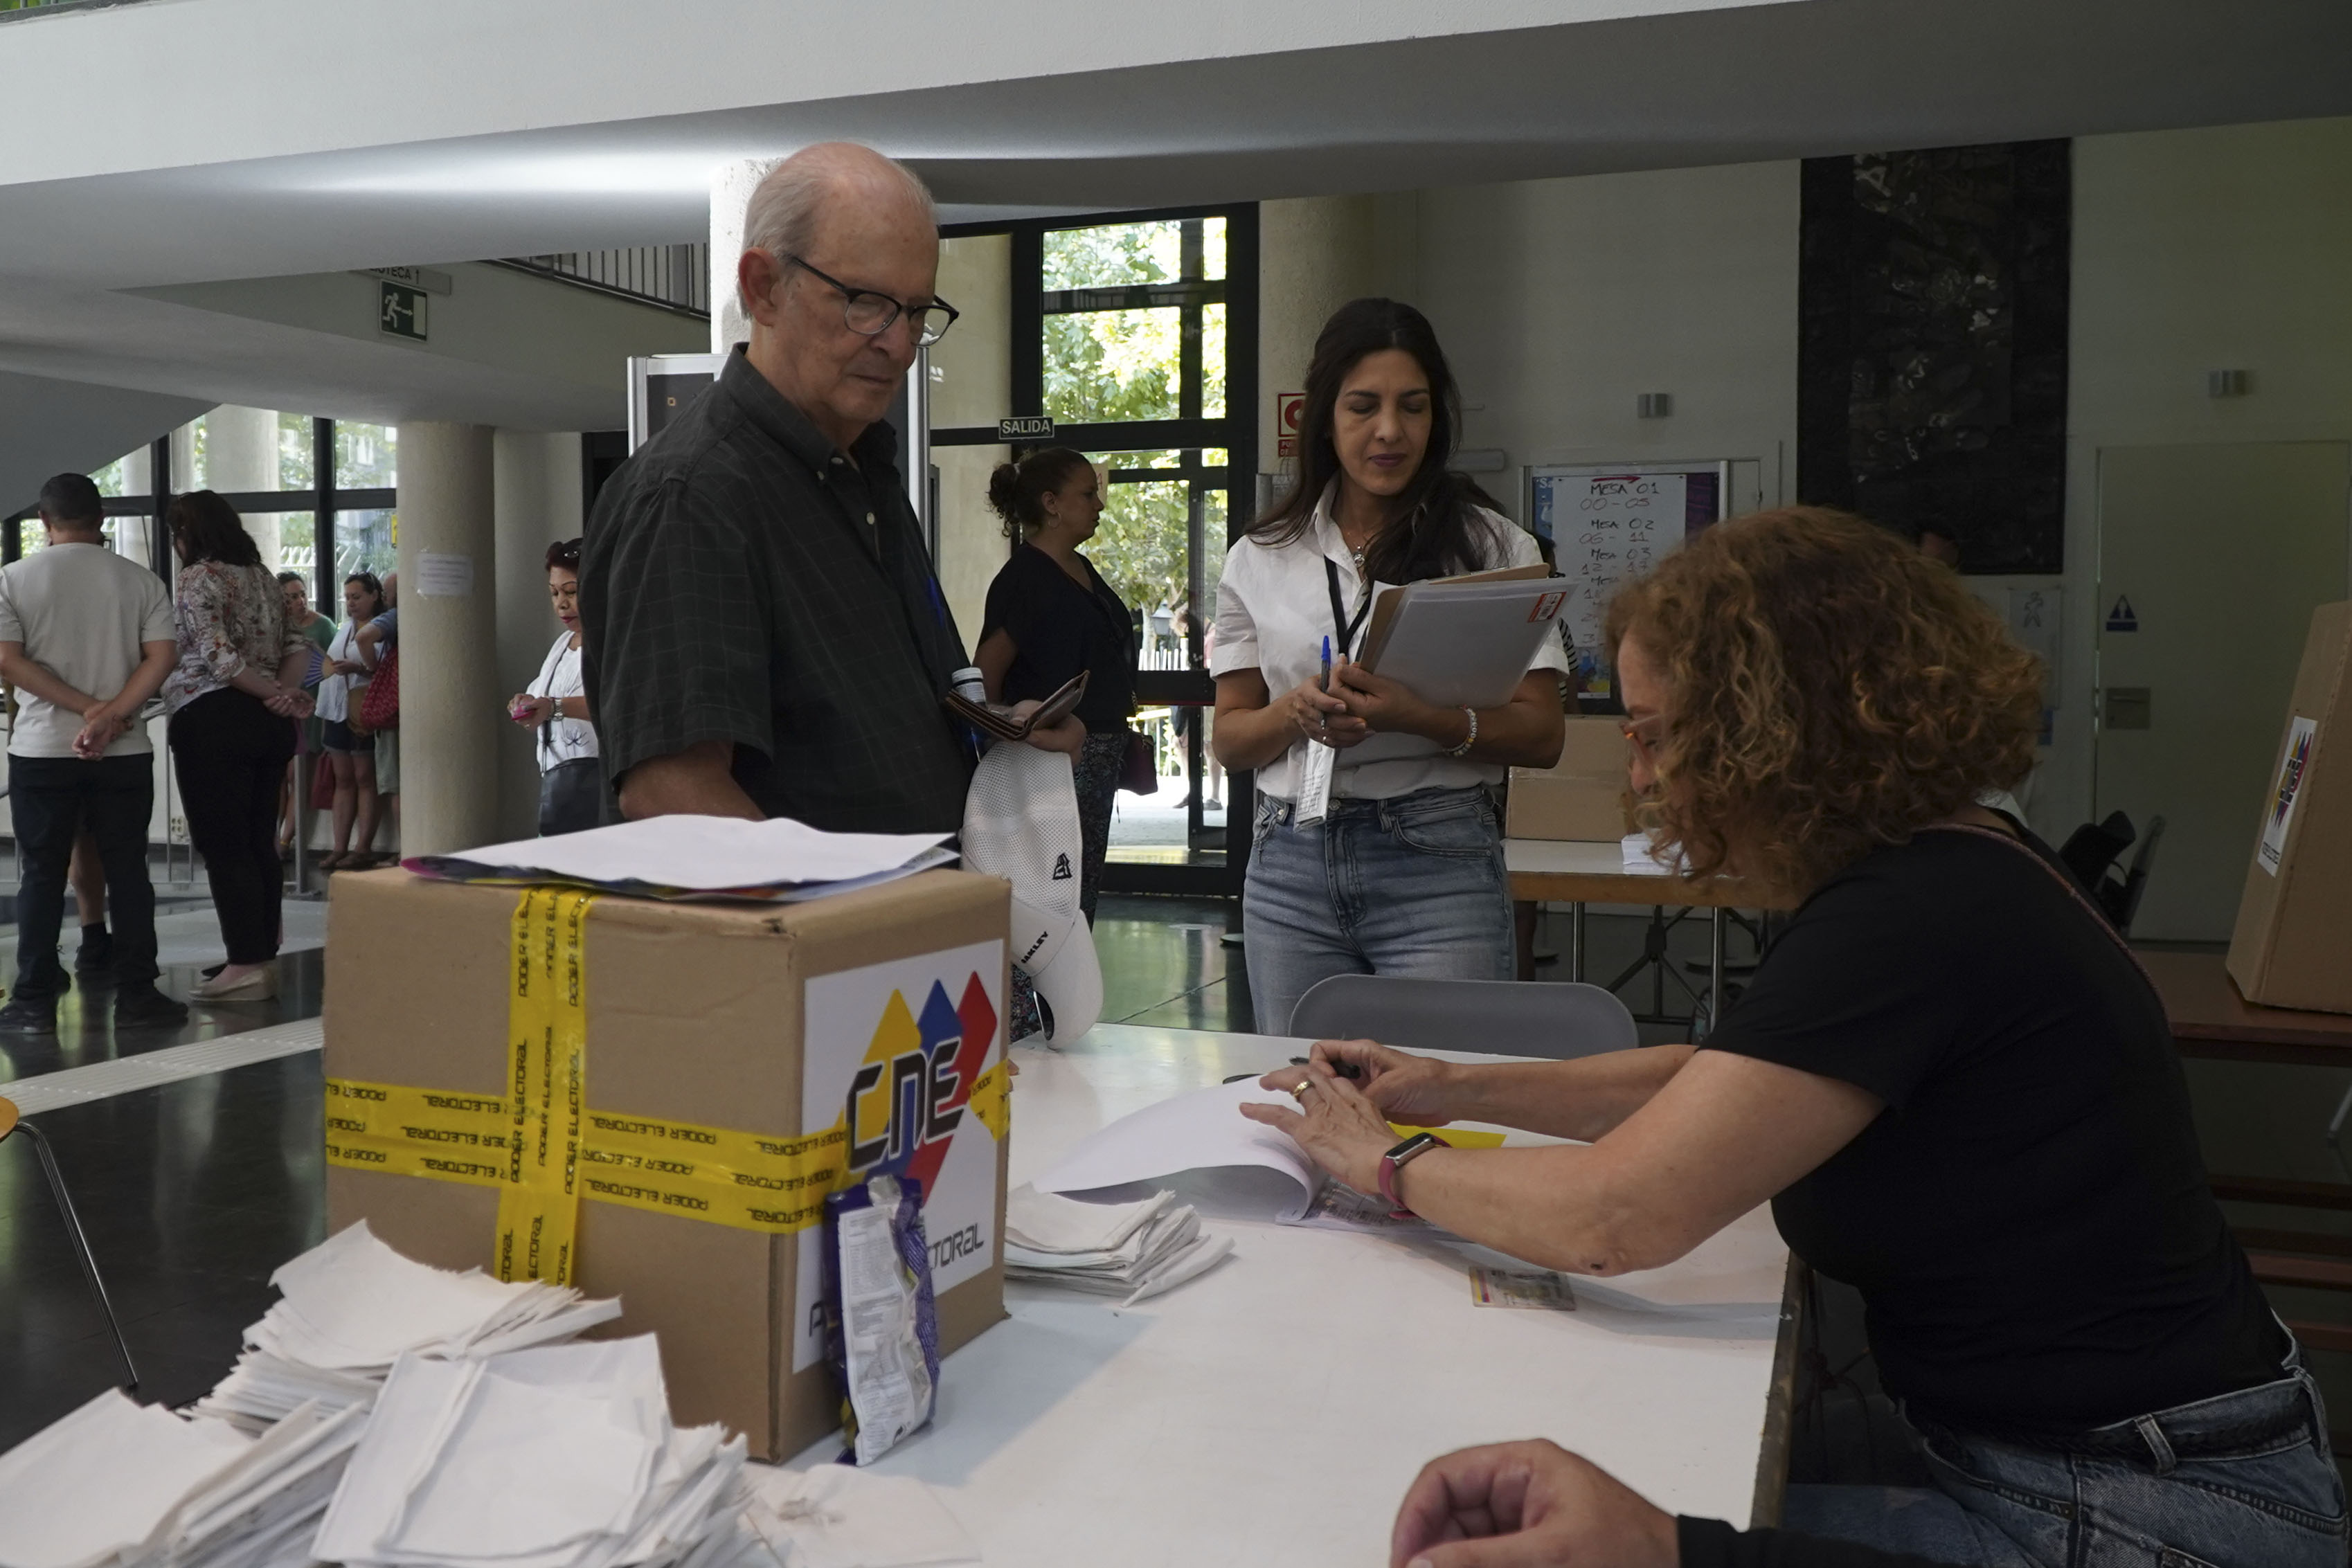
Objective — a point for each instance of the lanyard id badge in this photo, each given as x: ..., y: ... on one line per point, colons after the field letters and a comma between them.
x: 1315, y: 772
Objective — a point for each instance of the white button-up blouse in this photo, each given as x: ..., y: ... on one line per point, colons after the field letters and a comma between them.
x: 1273, y: 610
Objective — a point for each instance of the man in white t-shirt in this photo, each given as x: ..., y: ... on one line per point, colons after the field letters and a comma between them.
x: 86, y: 638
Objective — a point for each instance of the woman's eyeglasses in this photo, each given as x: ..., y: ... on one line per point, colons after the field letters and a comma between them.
x: 1645, y: 745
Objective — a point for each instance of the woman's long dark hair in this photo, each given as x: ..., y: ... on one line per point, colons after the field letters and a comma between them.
x: 208, y: 528
x: 1429, y: 534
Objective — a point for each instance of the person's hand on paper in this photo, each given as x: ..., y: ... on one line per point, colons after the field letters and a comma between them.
x: 1417, y: 1091
x: 1527, y: 1505
x: 1383, y: 705
x: 1320, y: 716
x: 1340, y: 1129
x: 1065, y: 735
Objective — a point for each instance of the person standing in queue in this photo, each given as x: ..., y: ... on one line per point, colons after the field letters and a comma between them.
x: 763, y: 633
x: 1403, y: 874
x: 554, y: 708
x: 1050, y: 618
x: 320, y: 632
x: 351, y: 753
x: 237, y: 685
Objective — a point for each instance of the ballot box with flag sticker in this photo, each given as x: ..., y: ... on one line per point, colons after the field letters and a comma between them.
x: 652, y: 1100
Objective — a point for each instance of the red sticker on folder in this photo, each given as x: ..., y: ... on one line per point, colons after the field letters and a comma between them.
x: 1547, y: 607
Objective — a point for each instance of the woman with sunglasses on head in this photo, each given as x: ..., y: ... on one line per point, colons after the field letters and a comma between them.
x: 1403, y: 874
x: 1950, y: 1077
x: 554, y: 708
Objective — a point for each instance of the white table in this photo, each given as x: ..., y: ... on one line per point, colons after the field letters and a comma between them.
x: 1274, y: 1410
x: 1575, y: 872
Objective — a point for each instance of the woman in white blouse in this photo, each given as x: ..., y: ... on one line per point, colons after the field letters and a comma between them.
x: 555, y: 705
x: 1404, y: 873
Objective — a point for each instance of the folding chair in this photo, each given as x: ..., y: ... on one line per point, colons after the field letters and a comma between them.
x: 11, y: 1122
x: 1559, y: 1020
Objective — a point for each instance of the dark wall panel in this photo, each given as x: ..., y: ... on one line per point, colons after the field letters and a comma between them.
x: 1932, y: 355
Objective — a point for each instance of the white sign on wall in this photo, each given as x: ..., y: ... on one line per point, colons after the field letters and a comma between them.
x: 1606, y: 530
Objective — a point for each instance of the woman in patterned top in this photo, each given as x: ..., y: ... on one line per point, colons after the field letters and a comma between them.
x: 238, y: 681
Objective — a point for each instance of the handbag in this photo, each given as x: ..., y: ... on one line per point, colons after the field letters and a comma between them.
x: 572, y: 797
x: 380, y: 707
x: 1139, y: 770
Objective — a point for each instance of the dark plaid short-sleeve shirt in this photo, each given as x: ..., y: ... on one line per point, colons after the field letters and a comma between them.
x: 743, y: 581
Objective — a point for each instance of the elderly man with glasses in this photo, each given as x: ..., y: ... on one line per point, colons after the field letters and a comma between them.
x: 764, y: 634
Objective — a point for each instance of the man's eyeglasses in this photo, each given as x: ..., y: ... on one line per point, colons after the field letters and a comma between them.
x: 865, y: 311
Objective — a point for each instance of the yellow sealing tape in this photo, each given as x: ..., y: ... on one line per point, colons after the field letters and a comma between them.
x: 544, y: 1151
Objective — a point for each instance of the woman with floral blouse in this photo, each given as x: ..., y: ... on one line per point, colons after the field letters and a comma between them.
x: 238, y: 680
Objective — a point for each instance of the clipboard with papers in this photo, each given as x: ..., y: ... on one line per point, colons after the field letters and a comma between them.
x: 1464, y: 642
x: 1457, y: 642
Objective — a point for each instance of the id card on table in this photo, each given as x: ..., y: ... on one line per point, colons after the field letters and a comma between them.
x: 1315, y: 783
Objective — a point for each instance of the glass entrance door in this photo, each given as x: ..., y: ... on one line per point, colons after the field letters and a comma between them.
x: 1136, y: 334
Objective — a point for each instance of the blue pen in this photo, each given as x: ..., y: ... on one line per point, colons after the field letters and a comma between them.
x: 1326, y: 664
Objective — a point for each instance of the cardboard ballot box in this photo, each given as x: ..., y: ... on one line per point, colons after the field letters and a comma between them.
x: 2293, y: 945
x: 651, y: 1100
x: 1582, y: 796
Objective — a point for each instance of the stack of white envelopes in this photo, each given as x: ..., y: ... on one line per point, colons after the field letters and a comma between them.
x: 129, y: 1486
x: 351, y: 1306
x: 1129, y: 1249
x: 558, y: 1458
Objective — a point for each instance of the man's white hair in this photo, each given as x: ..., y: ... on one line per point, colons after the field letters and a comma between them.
x: 787, y: 209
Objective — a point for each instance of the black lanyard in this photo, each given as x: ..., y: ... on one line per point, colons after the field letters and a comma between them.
x: 1342, y: 627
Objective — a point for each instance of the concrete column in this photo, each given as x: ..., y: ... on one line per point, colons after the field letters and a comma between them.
x: 241, y: 453
x: 730, y: 188
x: 449, y: 694
x: 539, y: 501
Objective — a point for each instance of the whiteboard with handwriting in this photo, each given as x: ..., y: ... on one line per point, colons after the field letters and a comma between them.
x: 1609, y: 524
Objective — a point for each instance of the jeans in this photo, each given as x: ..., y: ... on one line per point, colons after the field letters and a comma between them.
x: 1409, y: 885
x: 2238, y: 1481
x: 232, y: 751
x: 51, y: 800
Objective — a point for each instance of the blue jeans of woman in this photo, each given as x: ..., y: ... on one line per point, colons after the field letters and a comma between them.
x: 2238, y: 1481
x: 1411, y: 885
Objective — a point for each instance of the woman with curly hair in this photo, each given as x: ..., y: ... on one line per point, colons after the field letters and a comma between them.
x: 1950, y: 1078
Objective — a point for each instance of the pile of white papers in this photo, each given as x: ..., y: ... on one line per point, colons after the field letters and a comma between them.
x: 351, y: 1306
x: 1642, y: 858
x: 1130, y: 1249
x: 778, y: 860
x: 129, y: 1486
x: 551, y: 1458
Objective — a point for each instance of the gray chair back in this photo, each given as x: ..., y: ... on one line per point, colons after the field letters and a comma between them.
x: 1504, y: 1017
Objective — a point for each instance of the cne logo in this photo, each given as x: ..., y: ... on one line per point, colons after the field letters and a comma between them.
x: 908, y: 1096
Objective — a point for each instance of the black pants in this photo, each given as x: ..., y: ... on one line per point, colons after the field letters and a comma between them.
x: 52, y: 799
x: 232, y: 752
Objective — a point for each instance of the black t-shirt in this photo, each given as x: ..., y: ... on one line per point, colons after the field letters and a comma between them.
x: 1058, y: 629
x: 2028, y: 1221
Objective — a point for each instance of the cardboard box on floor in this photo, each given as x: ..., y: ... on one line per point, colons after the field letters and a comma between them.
x: 1582, y: 796
x: 2293, y: 945
x: 755, y: 1019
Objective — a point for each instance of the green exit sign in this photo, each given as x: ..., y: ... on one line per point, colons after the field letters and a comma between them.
x: 399, y: 312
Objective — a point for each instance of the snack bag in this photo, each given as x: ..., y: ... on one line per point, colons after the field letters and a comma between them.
x: 882, y: 1331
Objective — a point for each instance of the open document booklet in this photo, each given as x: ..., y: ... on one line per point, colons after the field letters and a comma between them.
x: 1205, y: 1130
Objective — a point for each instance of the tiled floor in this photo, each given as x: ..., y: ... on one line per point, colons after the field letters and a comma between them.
x: 192, y: 1193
